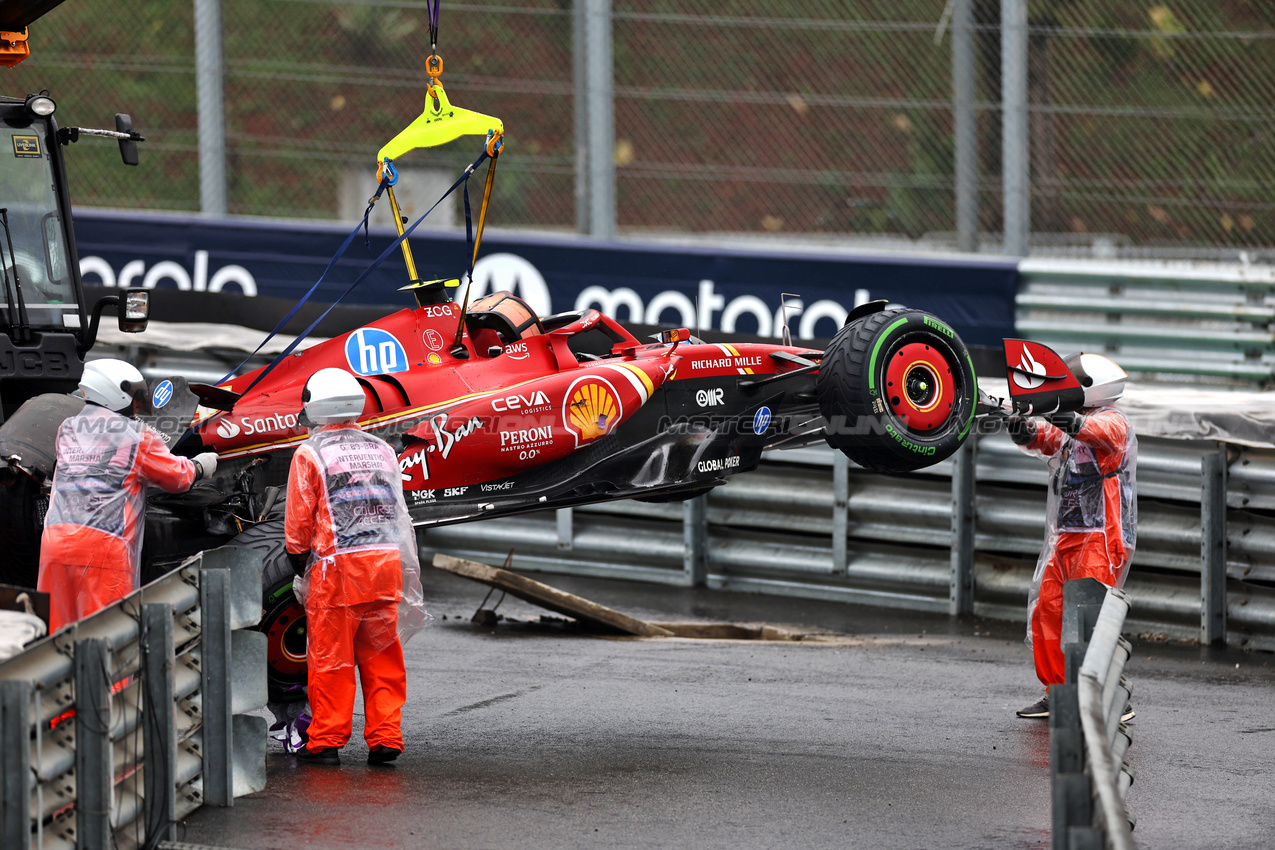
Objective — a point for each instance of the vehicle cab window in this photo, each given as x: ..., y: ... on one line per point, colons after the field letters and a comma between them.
x: 35, y: 228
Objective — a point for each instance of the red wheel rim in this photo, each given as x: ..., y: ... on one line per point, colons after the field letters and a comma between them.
x: 285, y: 628
x: 919, y: 387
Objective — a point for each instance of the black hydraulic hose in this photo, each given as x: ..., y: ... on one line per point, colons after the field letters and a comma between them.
x: 23, y: 325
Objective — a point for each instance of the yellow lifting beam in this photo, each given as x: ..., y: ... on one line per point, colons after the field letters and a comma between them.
x: 439, y: 123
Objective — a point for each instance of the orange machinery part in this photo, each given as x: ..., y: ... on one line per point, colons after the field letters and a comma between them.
x: 13, y: 48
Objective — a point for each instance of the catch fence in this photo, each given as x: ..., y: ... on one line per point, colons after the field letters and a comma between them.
x: 1144, y: 128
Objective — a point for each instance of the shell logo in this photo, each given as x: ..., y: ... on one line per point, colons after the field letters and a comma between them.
x: 593, y: 409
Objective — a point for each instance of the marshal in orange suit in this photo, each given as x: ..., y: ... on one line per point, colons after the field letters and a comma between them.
x: 90, y: 551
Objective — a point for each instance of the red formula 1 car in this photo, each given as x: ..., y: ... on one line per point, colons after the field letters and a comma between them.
x: 570, y: 409
x: 495, y: 411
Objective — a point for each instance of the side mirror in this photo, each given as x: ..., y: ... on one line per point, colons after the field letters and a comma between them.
x: 128, y: 152
x: 132, y: 305
x: 134, y: 310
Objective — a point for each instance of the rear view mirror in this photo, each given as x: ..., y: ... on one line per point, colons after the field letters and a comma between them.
x: 128, y: 148
x: 134, y: 309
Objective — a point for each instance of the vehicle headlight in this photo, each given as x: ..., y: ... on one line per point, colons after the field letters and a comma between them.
x: 40, y: 104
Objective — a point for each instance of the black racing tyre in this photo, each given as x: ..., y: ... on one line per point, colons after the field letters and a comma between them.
x: 897, y: 390
x: 282, y: 616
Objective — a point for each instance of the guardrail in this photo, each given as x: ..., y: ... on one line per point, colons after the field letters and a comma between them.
x: 810, y: 524
x: 119, y: 725
x: 1154, y: 318
x: 1087, y: 742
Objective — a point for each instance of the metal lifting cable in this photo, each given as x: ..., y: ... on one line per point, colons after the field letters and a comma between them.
x: 434, y: 64
x: 432, y: 8
x: 435, y: 126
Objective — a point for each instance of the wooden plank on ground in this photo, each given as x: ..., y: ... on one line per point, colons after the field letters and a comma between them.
x: 530, y: 590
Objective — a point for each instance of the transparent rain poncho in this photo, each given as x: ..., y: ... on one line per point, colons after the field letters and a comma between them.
x: 1087, y: 473
x: 90, y: 551
x: 363, y: 547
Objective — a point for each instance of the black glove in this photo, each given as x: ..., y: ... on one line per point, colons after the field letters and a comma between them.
x: 1069, y: 423
x: 1020, y: 429
x: 299, y: 561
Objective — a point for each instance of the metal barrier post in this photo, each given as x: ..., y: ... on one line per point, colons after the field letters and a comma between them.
x: 159, y: 754
x: 565, y: 531
x: 15, y: 764
x: 965, y: 119
x: 1213, y: 548
x: 600, y: 76
x: 1082, y: 603
x: 840, y: 512
x: 961, y: 586
x: 209, y: 77
x: 580, y: 97
x: 1102, y: 693
x: 695, y: 532
x: 1015, y: 145
x: 94, y: 785
x: 214, y: 592
x: 1070, y: 790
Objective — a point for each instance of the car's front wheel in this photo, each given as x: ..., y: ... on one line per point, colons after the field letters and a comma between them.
x: 897, y: 390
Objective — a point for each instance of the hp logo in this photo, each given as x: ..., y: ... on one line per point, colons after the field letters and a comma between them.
x: 372, y: 351
x: 761, y: 421
x: 163, y: 393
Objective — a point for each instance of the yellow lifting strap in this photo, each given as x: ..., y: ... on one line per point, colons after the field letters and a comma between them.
x: 438, y: 124
x: 482, y: 212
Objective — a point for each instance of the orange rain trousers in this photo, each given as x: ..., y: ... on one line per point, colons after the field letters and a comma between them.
x: 84, y: 571
x: 1076, y: 556
x: 353, y: 636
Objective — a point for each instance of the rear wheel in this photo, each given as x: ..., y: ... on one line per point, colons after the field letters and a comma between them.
x: 897, y: 389
x: 283, y: 618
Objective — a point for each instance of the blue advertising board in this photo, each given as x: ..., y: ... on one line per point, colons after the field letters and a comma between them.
x: 706, y: 288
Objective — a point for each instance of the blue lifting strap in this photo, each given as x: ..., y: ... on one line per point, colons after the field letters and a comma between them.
x: 463, y: 180
x: 388, y: 180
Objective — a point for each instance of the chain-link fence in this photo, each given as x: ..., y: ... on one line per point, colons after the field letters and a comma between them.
x: 97, y: 59
x: 788, y: 117
x: 1151, y: 125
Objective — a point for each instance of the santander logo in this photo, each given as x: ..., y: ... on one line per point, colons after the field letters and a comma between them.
x: 1028, y: 364
x: 227, y: 430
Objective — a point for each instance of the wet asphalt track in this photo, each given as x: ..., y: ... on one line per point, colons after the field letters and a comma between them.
x: 901, y: 735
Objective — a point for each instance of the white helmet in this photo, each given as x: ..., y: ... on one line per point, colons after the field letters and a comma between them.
x: 1102, y: 378
x: 113, y: 384
x: 331, y: 396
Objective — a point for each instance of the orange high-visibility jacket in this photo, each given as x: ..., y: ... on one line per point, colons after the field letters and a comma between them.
x: 90, y: 552
x: 1090, y: 524
x: 345, y: 506
x: 1092, y: 484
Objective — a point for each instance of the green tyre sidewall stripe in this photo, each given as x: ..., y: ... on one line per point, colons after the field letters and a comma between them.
x: 876, y: 349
